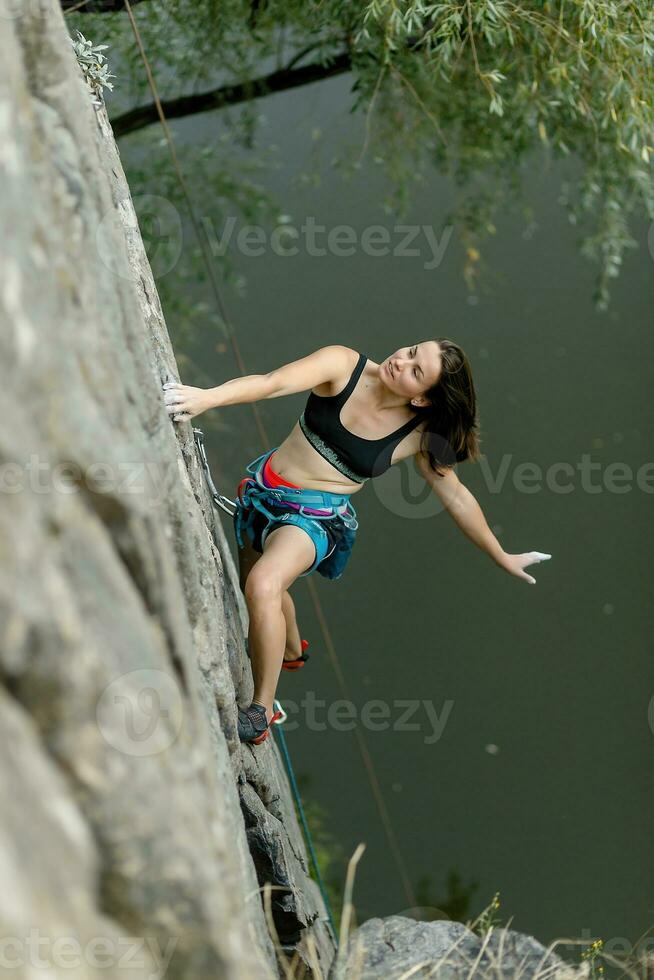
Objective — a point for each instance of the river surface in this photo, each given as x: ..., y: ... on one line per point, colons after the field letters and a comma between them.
x: 525, y: 764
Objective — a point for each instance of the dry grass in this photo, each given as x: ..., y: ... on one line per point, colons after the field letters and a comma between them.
x: 632, y: 968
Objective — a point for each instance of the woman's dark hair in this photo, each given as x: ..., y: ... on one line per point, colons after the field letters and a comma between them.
x: 452, y: 431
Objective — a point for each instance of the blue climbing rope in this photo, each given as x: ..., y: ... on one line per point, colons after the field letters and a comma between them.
x: 281, y: 738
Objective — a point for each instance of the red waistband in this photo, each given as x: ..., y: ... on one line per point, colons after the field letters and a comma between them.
x: 273, y: 479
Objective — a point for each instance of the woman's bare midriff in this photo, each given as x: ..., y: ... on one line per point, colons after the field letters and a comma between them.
x: 297, y: 461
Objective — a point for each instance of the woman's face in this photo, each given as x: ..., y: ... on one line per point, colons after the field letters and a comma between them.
x: 412, y: 370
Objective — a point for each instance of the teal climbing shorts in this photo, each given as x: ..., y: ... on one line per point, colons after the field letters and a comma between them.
x: 260, y: 509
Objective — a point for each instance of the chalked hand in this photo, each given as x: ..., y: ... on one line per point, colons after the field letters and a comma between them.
x: 515, y: 564
x: 184, y: 402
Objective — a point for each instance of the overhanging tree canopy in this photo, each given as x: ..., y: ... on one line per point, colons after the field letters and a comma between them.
x: 476, y: 89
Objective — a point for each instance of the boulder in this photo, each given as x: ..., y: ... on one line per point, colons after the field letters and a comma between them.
x: 397, y: 946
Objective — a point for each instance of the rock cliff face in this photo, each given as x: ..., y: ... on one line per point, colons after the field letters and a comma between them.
x: 136, y: 832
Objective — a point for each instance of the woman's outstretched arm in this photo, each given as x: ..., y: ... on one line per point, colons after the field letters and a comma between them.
x: 468, y: 515
x: 184, y: 402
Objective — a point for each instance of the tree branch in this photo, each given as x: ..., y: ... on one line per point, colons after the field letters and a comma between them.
x: 186, y: 105
x: 95, y: 6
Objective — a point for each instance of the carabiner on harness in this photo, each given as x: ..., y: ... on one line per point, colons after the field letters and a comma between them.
x: 218, y: 498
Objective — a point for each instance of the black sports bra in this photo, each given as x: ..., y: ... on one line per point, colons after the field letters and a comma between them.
x: 358, y: 459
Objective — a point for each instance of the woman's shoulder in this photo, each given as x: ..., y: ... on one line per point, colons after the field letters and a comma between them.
x: 343, y: 361
x: 347, y: 357
x: 341, y: 358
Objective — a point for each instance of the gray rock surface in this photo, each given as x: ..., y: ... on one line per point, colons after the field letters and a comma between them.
x: 131, y: 808
x: 396, y: 946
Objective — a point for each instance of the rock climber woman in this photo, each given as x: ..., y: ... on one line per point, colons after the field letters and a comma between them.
x: 360, y: 418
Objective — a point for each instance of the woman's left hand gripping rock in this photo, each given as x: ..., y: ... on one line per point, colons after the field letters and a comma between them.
x: 184, y: 402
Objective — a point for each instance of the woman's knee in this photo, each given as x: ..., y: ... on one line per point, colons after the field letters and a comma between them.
x: 263, y: 585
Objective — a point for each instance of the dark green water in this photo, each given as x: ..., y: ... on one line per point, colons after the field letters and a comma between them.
x: 540, y: 784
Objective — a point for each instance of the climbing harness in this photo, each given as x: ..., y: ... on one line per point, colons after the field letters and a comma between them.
x: 253, y: 492
x: 254, y: 496
x: 281, y: 739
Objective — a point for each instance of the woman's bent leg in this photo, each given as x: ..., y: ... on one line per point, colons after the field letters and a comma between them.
x: 288, y: 551
x: 293, y: 640
x: 247, y: 559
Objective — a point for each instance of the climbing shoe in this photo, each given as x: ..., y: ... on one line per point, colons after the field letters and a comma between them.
x: 252, y: 725
x: 299, y: 661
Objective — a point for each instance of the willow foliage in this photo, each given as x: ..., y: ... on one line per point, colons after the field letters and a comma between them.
x: 479, y: 90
